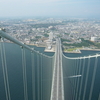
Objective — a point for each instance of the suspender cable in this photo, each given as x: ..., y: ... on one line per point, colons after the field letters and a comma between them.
x: 75, y: 84
x: 78, y: 79
x: 87, y: 74
x: 74, y: 80
x: 4, y: 76
x: 41, y: 75
x: 99, y: 97
x: 33, y: 76
x: 38, y: 78
x: 93, y: 79
x: 24, y: 74
x: 5, y: 72
x: 81, y: 79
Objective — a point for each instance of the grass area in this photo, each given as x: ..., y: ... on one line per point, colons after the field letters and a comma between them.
x: 83, y: 43
x: 72, y: 49
x: 97, y: 45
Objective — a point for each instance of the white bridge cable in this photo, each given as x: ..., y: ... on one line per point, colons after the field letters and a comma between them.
x: 74, y: 79
x: 38, y: 78
x: 5, y: 72
x: 83, y: 69
x: 79, y: 70
x: 33, y: 76
x: 93, y: 79
x: 99, y: 97
x: 3, y: 34
x: 41, y: 75
x: 75, y: 83
x: 89, y: 56
x: 24, y: 74
x: 87, y: 75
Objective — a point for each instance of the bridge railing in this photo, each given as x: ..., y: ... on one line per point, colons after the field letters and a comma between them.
x: 25, y: 73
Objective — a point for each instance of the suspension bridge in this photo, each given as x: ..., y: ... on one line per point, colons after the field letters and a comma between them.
x: 30, y: 75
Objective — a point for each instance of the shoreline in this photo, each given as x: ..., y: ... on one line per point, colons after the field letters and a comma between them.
x: 91, y: 49
x: 81, y: 50
x: 53, y: 50
x: 71, y: 52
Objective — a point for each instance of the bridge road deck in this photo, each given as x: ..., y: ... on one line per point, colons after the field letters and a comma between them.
x: 57, y: 92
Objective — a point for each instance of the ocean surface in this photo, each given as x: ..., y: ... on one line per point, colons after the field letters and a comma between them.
x: 14, y: 64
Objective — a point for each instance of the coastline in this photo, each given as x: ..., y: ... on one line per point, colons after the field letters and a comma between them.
x: 80, y: 50
x: 91, y: 49
x: 71, y: 52
x: 53, y: 49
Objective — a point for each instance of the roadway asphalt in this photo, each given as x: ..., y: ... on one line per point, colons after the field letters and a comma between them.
x: 57, y: 83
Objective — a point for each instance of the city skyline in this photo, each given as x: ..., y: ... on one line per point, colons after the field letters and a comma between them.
x: 66, y: 8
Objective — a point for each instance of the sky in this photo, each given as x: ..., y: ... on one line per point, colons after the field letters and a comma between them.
x: 78, y: 8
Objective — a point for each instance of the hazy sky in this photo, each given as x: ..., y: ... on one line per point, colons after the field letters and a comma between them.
x: 49, y: 8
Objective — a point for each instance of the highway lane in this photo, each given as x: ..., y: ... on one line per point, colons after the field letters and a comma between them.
x: 57, y: 92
